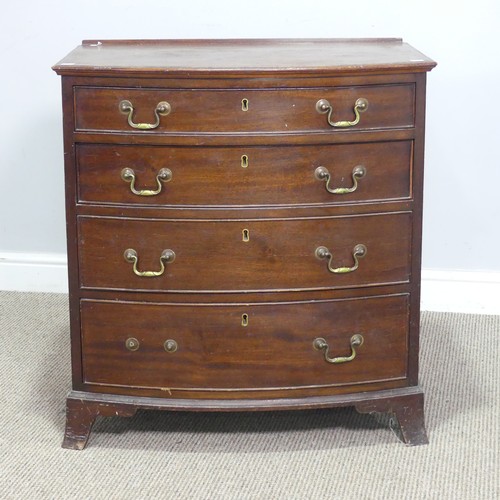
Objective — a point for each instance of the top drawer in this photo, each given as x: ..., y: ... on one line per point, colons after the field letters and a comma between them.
x: 150, y: 111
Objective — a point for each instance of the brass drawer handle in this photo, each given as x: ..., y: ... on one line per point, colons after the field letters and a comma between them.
x: 320, y: 344
x: 163, y: 108
x: 322, y: 174
x: 323, y: 107
x: 358, y: 252
x: 164, y: 175
x: 130, y: 255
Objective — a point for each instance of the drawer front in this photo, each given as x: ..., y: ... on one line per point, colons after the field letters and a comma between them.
x: 223, y: 111
x: 243, y: 176
x: 217, y: 255
x: 208, y: 347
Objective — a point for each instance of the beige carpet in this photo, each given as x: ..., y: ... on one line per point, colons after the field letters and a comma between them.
x: 294, y: 455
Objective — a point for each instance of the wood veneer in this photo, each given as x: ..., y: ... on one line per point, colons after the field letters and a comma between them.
x: 244, y: 313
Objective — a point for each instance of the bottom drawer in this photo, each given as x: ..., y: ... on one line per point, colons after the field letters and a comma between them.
x: 206, y: 347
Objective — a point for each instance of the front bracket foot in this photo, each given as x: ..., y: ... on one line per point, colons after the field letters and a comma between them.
x: 81, y: 415
x: 408, y: 416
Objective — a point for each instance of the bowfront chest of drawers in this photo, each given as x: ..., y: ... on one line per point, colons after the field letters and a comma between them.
x: 244, y: 226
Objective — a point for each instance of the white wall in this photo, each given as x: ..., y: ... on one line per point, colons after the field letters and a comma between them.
x: 461, y: 228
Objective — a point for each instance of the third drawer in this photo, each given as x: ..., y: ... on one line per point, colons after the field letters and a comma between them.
x: 244, y: 255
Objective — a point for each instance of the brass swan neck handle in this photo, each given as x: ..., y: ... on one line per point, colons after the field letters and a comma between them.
x: 358, y: 252
x: 323, y: 174
x: 163, y: 108
x: 164, y: 175
x: 167, y: 256
x: 320, y: 344
x: 323, y: 106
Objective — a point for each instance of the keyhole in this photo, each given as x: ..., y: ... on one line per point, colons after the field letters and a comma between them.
x: 244, y: 104
x: 244, y: 319
x: 244, y: 161
x: 246, y: 235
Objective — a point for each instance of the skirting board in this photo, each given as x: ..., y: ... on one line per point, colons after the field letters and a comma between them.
x: 473, y: 292
x: 27, y: 272
x: 470, y: 292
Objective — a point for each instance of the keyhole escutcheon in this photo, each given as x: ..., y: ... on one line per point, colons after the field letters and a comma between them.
x: 244, y: 319
x: 244, y: 104
x: 245, y: 235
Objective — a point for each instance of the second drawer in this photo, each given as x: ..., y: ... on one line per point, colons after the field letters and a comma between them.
x: 244, y: 255
x: 243, y: 176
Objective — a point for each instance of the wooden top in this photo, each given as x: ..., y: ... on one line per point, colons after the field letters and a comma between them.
x: 256, y: 57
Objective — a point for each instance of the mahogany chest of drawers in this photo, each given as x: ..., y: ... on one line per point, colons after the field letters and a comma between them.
x: 244, y: 226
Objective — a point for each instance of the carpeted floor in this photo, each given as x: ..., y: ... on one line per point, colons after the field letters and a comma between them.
x: 294, y: 455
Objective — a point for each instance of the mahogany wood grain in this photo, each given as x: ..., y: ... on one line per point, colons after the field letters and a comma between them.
x: 212, y: 256
x: 81, y: 415
x: 249, y: 139
x: 278, y: 81
x: 266, y: 396
x: 233, y: 58
x: 243, y: 213
x: 70, y: 180
x: 208, y: 297
x: 408, y: 411
x: 220, y: 111
x: 216, y: 277
x: 416, y: 256
x: 83, y: 407
x: 215, y: 351
x: 206, y: 177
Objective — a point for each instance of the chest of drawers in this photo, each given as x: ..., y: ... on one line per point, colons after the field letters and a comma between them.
x: 244, y: 226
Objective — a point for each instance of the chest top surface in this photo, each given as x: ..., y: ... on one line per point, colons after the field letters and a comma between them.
x: 260, y: 57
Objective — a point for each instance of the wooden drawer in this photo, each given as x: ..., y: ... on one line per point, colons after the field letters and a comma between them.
x: 215, y: 351
x: 221, y: 111
x: 212, y: 255
x: 243, y: 176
